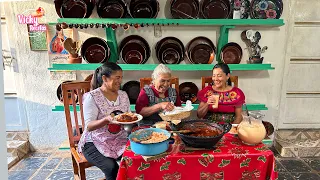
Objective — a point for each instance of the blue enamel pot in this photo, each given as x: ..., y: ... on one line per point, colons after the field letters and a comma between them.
x: 148, y: 149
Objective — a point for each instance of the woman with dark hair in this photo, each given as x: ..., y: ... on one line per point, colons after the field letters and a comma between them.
x: 102, y: 141
x: 226, y: 108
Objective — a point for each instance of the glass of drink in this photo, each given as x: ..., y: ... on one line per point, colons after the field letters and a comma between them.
x: 216, y: 97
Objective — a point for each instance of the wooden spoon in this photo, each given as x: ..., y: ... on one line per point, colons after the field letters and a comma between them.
x: 68, y: 44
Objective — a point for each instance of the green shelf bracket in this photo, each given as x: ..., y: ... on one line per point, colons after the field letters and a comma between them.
x: 112, y: 43
x: 223, y: 39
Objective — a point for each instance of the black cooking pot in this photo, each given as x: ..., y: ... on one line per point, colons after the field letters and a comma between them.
x: 201, y: 142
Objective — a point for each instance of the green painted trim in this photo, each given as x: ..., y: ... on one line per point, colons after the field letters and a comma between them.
x: 223, y: 40
x: 196, y: 22
x: 267, y: 141
x: 112, y: 43
x: 150, y: 67
x: 251, y: 107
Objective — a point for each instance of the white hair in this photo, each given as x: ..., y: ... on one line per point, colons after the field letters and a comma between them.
x: 160, y: 69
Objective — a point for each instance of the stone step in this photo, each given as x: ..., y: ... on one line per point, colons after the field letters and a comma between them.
x: 16, y: 150
x: 298, y: 142
x: 12, y: 161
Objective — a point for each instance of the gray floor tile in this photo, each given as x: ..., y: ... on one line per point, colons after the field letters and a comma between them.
x: 40, y: 154
x: 305, y: 176
x: 61, y: 175
x: 314, y: 163
x: 41, y: 174
x: 279, y: 167
x: 94, y: 174
x: 29, y: 164
x: 20, y: 175
x: 52, y: 163
x: 66, y: 164
x: 294, y: 165
x: 285, y: 176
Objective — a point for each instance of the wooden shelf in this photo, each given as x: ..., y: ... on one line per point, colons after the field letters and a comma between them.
x: 251, y: 107
x: 150, y: 67
x: 190, y: 22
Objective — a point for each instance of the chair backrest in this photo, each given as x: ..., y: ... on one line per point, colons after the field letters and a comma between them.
x: 147, y: 81
x: 207, y: 80
x: 74, y: 91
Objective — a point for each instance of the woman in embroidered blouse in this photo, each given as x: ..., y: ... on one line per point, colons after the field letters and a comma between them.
x: 103, y: 142
x: 157, y: 97
x: 230, y: 102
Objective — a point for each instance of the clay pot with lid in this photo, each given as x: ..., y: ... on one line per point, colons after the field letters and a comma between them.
x: 251, y: 133
x: 74, y: 59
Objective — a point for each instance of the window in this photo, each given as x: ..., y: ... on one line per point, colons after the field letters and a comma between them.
x: 8, y: 72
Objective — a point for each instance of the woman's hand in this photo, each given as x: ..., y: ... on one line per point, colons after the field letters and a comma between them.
x: 167, y: 106
x: 211, y: 100
x: 108, y: 120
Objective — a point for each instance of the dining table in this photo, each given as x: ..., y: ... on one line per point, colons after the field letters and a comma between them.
x: 229, y: 159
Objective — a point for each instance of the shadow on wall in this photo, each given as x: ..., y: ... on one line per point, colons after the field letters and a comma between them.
x: 46, y: 130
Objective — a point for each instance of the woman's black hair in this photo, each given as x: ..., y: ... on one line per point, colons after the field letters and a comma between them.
x: 106, y: 69
x: 225, y: 68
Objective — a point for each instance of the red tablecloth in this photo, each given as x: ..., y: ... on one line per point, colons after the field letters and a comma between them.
x: 230, y: 160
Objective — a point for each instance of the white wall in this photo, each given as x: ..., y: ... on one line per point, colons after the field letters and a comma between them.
x: 301, y: 85
x: 48, y: 129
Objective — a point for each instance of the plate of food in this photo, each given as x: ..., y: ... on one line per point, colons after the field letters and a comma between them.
x: 234, y: 129
x: 128, y: 118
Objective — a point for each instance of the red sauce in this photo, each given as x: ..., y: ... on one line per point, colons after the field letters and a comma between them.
x: 201, y: 129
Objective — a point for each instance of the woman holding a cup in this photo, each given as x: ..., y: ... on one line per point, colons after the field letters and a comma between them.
x: 219, y: 101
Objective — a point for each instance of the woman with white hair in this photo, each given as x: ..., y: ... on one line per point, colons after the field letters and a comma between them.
x: 157, y: 97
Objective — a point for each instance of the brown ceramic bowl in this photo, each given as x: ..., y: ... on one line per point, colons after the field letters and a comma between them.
x: 188, y: 91
x: 95, y: 53
x: 133, y: 57
x: 59, y: 93
x: 202, y: 54
x: 184, y: 9
x: 101, y: 46
x: 132, y: 88
x: 112, y: 9
x: 144, y: 8
x: 176, y: 50
x: 73, y: 9
x: 231, y: 53
x: 200, y: 47
x: 135, y: 42
x: 170, y: 56
x: 89, y: 8
x: 215, y: 9
x: 133, y: 52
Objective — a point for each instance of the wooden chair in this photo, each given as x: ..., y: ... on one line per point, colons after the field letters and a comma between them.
x: 147, y: 81
x: 207, y: 80
x: 76, y: 89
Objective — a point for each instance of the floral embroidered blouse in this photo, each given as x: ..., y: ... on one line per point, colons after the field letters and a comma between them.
x: 228, y: 100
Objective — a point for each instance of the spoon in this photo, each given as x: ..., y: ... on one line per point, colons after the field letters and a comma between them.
x: 246, y: 108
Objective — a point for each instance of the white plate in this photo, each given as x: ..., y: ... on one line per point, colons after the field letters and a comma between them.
x: 138, y: 116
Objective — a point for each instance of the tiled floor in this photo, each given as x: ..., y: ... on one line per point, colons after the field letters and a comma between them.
x: 297, y: 168
x: 49, y: 165
x: 57, y: 165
